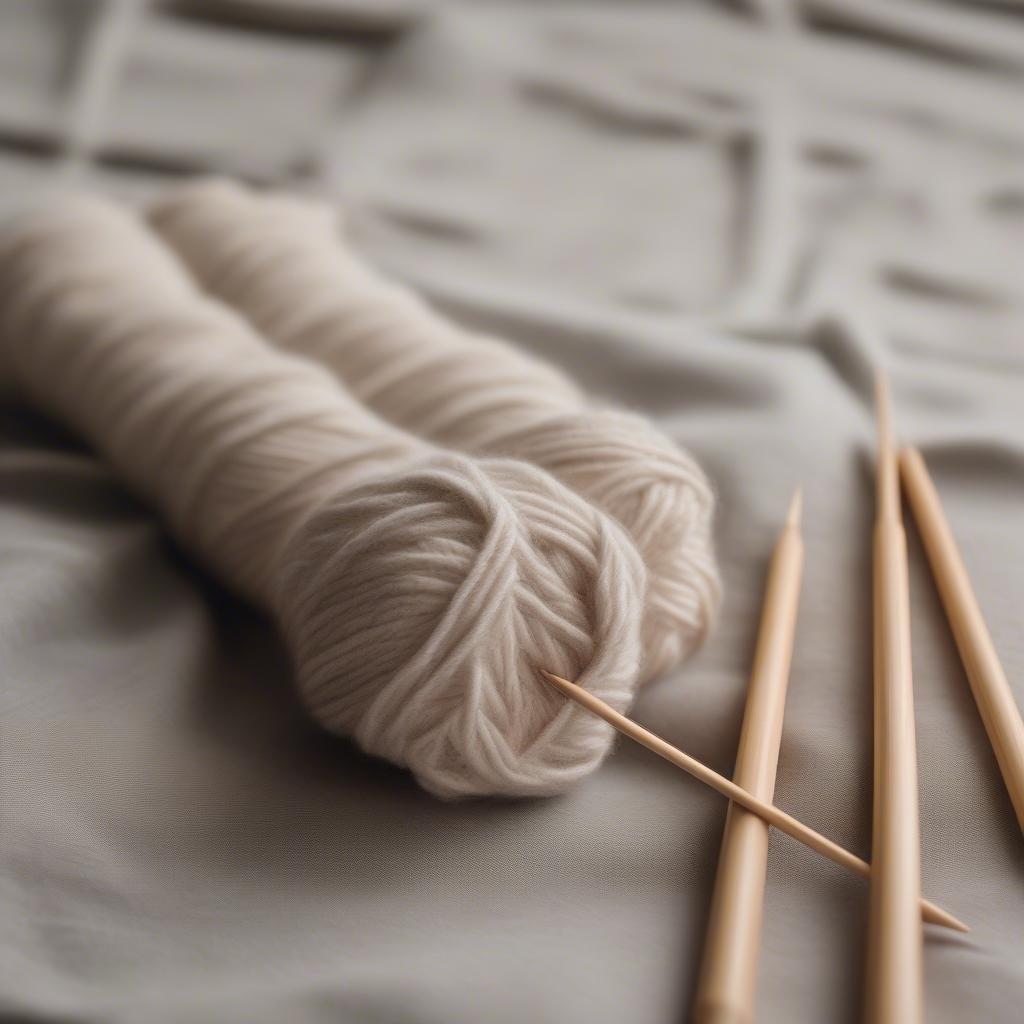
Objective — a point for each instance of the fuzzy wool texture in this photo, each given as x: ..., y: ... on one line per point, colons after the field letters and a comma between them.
x: 419, y: 590
x: 281, y: 262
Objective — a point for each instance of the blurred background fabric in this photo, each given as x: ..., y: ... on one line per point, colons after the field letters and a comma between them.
x: 725, y: 215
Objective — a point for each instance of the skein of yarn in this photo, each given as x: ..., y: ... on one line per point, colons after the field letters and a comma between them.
x: 280, y: 262
x: 418, y: 591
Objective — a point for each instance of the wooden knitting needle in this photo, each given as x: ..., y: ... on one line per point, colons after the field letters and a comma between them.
x: 769, y: 812
x: 991, y: 690
x: 895, y: 989
x: 729, y: 973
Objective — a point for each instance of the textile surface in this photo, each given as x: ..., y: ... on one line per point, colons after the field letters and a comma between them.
x: 681, y: 207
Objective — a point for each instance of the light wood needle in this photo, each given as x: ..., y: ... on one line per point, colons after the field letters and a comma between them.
x: 991, y: 690
x: 728, y: 980
x: 769, y: 812
x: 895, y: 978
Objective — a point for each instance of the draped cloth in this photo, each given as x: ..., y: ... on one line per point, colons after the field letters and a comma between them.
x: 722, y: 221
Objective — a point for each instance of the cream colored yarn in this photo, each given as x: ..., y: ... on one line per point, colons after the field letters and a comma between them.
x: 418, y: 591
x: 279, y: 261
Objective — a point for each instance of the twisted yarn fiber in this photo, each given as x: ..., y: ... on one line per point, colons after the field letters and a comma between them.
x: 279, y: 261
x: 418, y: 591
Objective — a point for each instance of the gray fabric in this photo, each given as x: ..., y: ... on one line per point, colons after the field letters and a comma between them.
x: 178, y: 844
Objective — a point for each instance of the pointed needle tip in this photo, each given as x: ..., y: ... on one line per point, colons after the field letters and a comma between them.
x: 796, y: 506
x: 957, y: 925
x: 552, y: 678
